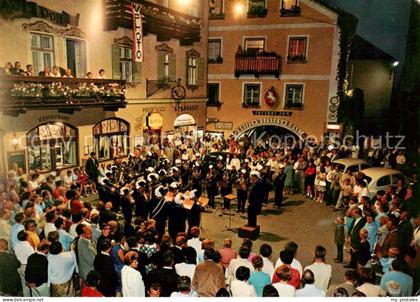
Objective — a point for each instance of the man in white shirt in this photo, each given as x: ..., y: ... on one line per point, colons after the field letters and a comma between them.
x: 240, y: 287
x: 184, y: 287
x: 321, y: 271
x: 195, y: 241
x: 5, y: 227
x: 242, y: 260
x: 187, y: 268
x: 50, y: 226
x: 268, y: 267
x: 292, y: 247
x: 309, y: 289
x: 23, y: 250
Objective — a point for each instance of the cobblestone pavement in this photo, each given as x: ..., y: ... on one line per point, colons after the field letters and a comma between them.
x: 304, y: 221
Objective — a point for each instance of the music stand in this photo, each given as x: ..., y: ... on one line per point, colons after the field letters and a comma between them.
x: 231, y: 197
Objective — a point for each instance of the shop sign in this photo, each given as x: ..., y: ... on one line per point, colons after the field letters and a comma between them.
x: 223, y: 125
x: 138, y: 32
x: 23, y: 9
x: 186, y: 107
x: 271, y: 96
x: 272, y: 113
x: 154, y: 121
x: 269, y: 121
x: 53, y: 117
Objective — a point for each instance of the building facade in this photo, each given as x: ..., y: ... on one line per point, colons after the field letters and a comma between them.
x: 54, y: 123
x: 272, y: 63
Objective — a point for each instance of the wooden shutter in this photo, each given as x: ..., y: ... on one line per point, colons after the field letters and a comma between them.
x: 137, y: 72
x: 161, y: 65
x: 172, y: 67
x: 116, y: 68
x: 200, y: 71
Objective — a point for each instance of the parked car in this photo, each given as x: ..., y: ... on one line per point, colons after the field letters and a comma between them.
x: 352, y: 164
x: 380, y: 178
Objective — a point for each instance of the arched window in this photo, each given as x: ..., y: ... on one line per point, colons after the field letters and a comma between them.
x: 111, y: 138
x: 52, y: 146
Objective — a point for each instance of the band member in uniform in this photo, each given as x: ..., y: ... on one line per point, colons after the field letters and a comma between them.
x: 254, y: 199
x: 211, y: 186
x: 242, y: 190
x: 225, y: 189
x: 159, y: 209
x: 278, y: 180
x: 141, y: 200
x: 176, y: 211
x: 196, y: 181
x: 127, y: 202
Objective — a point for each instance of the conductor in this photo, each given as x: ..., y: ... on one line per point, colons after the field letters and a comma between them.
x: 254, y: 199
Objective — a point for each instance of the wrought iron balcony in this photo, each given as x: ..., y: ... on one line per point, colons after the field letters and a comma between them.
x: 257, y: 63
x: 165, y: 23
x: 19, y: 94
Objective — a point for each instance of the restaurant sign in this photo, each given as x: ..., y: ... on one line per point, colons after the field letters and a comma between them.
x: 28, y: 9
x: 272, y: 113
x: 268, y: 121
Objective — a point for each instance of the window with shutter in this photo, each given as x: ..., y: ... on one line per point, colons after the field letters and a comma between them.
x: 201, y: 72
x: 42, y: 47
x: 297, y: 49
x: 138, y: 76
x: 116, y: 67
x: 172, y: 67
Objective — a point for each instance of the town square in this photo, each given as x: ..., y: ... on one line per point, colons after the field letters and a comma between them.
x: 209, y: 148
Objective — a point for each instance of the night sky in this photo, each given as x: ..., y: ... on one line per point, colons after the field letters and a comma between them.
x: 384, y: 23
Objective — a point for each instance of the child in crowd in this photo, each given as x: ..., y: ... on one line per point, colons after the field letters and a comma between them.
x: 339, y: 238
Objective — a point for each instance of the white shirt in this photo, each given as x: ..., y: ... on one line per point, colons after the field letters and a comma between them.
x: 371, y: 290
x: 268, y: 267
x: 295, y: 264
x: 72, y: 230
x: 185, y: 269
x: 284, y: 290
x: 61, y: 267
x: 235, y: 162
x: 132, y: 282
x: 234, y: 265
x: 322, y: 274
x: 49, y: 227
x: 195, y: 243
x: 23, y: 250
x: 310, y: 290
x: 242, y: 289
x: 192, y: 293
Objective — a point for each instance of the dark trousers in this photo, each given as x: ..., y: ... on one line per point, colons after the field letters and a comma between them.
x: 241, y: 201
x: 278, y: 197
x: 340, y: 252
x: 211, y: 200
x: 252, y: 217
x: 226, y: 203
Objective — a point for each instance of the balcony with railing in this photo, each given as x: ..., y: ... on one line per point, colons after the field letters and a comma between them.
x: 165, y: 23
x: 257, y: 63
x: 20, y: 93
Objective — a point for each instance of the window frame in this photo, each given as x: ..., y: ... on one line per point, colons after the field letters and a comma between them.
x: 285, y: 106
x: 125, y: 60
x: 36, y: 142
x: 244, y: 89
x: 193, y: 68
x: 218, y: 96
x: 247, y: 38
x: 41, y: 50
x: 288, y: 58
x: 215, y: 60
x: 98, y: 136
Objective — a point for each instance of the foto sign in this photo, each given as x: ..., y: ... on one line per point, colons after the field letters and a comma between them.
x: 138, y: 32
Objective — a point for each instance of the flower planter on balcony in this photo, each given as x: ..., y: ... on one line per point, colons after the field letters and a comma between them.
x: 220, y: 16
x: 218, y: 60
x: 257, y: 12
x: 19, y: 93
x: 296, y: 59
x: 261, y: 63
x: 294, y: 11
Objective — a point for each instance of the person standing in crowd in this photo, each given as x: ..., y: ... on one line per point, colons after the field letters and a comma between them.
x: 240, y: 286
x: 92, y: 168
x: 279, y: 179
x: 348, y: 284
x: 23, y: 250
x: 320, y: 269
x: 339, y: 239
x: 86, y: 252
x: 132, y: 282
x: 259, y: 279
x: 358, y: 223
x: 104, y: 265
x: 309, y: 289
x: 61, y: 268
x: 90, y: 290
x: 208, y: 277
x: 10, y: 283
x: 254, y: 199
x: 211, y: 186
x: 36, y: 272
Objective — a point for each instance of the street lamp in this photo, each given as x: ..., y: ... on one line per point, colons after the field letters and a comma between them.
x: 239, y: 8
x: 395, y: 64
